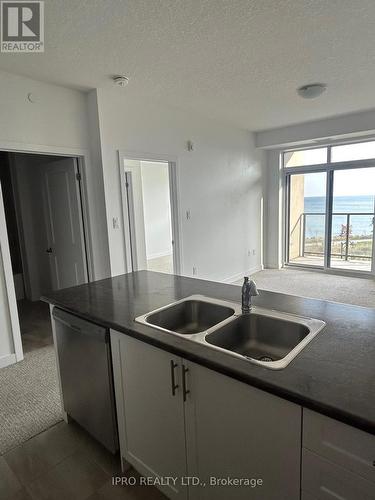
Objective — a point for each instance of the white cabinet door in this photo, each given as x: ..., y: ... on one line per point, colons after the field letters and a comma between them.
x: 324, y: 480
x: 340, y: 443
x: 153, y: 438
x: 237, y: 431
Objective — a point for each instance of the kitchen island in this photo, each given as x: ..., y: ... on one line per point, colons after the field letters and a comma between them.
x: 333, y: 376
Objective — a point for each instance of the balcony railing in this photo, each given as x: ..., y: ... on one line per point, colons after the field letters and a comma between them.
x: 351, y: 241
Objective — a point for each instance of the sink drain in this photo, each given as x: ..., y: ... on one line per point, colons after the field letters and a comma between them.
x: 265, y: 358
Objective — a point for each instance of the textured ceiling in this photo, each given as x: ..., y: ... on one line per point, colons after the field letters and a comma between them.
x: 238, y: 60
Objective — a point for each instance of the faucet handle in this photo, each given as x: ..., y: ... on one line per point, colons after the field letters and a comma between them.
x: 253, y: 288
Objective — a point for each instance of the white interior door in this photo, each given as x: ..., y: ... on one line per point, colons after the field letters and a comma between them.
x: 65, y: 238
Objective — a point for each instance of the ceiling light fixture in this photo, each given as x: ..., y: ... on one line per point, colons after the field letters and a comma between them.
x: 311, y: 90
x: 121, y: 81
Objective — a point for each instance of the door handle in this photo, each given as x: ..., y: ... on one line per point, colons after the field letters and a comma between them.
x: 49, y: 250
x: 185, y: 391
x: 173, y: 377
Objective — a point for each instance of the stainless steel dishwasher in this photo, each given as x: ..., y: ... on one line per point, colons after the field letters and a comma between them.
x: 86, y: 376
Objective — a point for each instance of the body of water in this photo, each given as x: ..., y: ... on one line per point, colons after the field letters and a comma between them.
x: 360, y: 224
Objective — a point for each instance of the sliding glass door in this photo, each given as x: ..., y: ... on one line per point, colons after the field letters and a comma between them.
x: 330, y: 208
x: 352, y: 231
x: 307, y: 218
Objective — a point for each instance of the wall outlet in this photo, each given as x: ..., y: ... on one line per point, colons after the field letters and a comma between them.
x: 188, y: 215
x: 254, y: 251
x: 115, y: 223
x: 249, y: 253
x: 194, y: 271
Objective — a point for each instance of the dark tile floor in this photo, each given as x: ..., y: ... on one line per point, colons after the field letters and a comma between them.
x: 65, y: 463
x: 35, y: 324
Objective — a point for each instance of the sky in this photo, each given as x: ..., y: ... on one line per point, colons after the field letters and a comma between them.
x: 356, y: 182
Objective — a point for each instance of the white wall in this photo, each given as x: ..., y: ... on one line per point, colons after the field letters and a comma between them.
x: 273, y: 220
x: 62, y: 121
x: 57, y: 121
x: 157, y: 209
x: 57, y: 118
x: 95, y: 193
x: 220, y: 182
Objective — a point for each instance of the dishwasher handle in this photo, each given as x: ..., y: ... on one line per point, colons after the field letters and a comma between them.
x: 81, y: 326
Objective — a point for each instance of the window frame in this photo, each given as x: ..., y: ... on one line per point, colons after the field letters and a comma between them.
x: 329, y: 168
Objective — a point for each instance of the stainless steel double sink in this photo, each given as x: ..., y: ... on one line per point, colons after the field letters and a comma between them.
x: 264, y: 337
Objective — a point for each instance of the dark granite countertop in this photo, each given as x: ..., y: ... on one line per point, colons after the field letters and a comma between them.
x: 334, y: 374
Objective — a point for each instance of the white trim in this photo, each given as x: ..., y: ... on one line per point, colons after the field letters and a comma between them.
x: 85, y: 257
x: 42, y: 149
x: 84, y: 160
x: 126, y: 217
x: 174, y: 187
x: 134, y: 155
x: 10, y: 359
x: 9, y: 283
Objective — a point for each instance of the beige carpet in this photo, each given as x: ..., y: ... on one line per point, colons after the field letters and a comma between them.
x: 29, y: 398
x: 345, y: 289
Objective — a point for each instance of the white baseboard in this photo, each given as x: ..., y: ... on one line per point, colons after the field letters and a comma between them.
x: 238, y: 276
x: 7, y: 360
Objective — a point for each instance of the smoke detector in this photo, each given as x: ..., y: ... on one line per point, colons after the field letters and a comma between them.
x: 312, y: 90
x: 121, y: 81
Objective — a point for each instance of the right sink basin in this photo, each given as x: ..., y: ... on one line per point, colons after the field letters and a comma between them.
x: 269, y: 338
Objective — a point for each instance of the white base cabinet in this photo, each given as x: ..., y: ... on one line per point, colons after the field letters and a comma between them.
x: 179, y: 419
x: 338, y: 461
x: 151, y: 420
x: 234, y: 430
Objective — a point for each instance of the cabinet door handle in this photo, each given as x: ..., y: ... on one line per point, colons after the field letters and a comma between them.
x: 185, y: 391
x: 173, y: 378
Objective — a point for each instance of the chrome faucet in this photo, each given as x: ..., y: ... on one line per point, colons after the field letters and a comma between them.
x: 249, y: 289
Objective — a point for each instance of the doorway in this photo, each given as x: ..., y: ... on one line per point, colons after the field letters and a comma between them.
x: 150, y: 214
x: 45, y: 229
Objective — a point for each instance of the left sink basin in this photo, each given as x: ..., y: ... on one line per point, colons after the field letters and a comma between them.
x: 195, y: 314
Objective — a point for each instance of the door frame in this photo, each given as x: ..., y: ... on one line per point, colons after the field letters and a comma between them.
x: 83, y: 164
x: 329, y: 168
x: 173, y: 170
x: 9, y: 286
